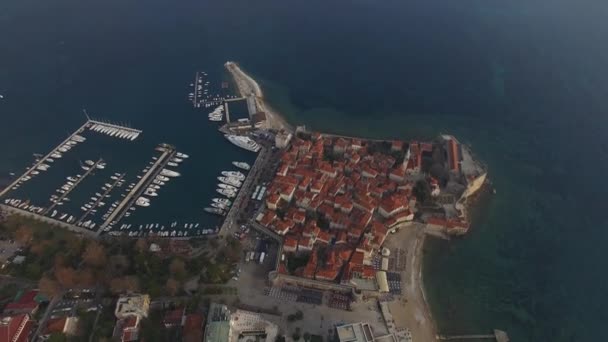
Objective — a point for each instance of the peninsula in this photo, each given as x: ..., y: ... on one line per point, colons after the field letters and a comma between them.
x: 351, y: 216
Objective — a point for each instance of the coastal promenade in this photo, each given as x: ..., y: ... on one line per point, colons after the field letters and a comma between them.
x: 48, y: 220
x: 229, y: 225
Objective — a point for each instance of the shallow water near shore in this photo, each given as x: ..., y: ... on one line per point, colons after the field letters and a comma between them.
x: 523, y: 83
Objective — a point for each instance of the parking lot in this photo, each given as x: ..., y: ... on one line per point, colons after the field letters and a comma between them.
x: 394, y: 282
x: 73, y: 301
x: 339, y: 301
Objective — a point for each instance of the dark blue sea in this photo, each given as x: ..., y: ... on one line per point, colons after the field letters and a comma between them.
x: 525, y: 83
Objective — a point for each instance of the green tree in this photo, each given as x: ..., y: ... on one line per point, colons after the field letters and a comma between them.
x: 57, y: 337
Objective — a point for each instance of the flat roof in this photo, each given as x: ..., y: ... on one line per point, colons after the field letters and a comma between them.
x: 217, y: 331
x: 382, y: 281
x: 356, y: 332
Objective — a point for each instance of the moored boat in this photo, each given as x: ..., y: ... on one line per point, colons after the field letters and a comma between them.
x: 235, y: 174
x: 241, y: 165
x: 215, y: 211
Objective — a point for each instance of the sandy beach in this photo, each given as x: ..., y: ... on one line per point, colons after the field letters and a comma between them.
x: 411, y: 309
x: 248, y: 86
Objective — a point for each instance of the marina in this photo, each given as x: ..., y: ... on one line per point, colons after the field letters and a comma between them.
x: 62, y: 206
x: 99, y: 201
x: 65, y: 193
x: 25, y: 176
x: 99, y: 208
x: 200, y: 93
x: 167, y: 153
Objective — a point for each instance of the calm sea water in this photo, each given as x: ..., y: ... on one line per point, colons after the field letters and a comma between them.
x: 524, y: 83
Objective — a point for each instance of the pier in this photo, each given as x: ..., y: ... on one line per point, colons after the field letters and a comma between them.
x: 227, y: 109
x: 195, y: 99
x: 103, y: 196
x: 498, y: 336
x: 235, y: 99
x: 65, y: 194
x: 92, y: 122
x: 252, y: 107
x: 139, y: 188
x: 48, y: 155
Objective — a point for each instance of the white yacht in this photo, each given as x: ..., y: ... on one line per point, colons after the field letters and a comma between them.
x: 227, y: 193
x: 241, y: 165
x: 162, y: 178
x: 230, y: 181
x: 152, y: 193
x: 182, y: 155
x: 143, y: 202
x: 234, y: 174
x: 227, y: 187
x: 219, y: 206
x: 243, y: 142
x: 89, y: 162
x: 169, y: 173
x: 78, y: 138
x: 215, y: 211
x: 222, y: 201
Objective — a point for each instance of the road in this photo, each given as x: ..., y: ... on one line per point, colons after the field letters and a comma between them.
x: 47, y: 314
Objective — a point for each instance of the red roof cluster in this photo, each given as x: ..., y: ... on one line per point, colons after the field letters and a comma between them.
x: 342, y: 194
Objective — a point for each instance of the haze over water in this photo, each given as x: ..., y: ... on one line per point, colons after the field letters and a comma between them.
x: 525, y: 83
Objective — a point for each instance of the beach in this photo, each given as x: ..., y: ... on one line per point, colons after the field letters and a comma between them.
x: 411, y: 309
x: 247, y: 86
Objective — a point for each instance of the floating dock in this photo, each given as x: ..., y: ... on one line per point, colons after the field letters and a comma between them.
x: 41, y: 161
x: 139, y: 188
x: 64, y: 195
x: 244, y: 193
x: 103, y: 196
x: 121, y: 131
